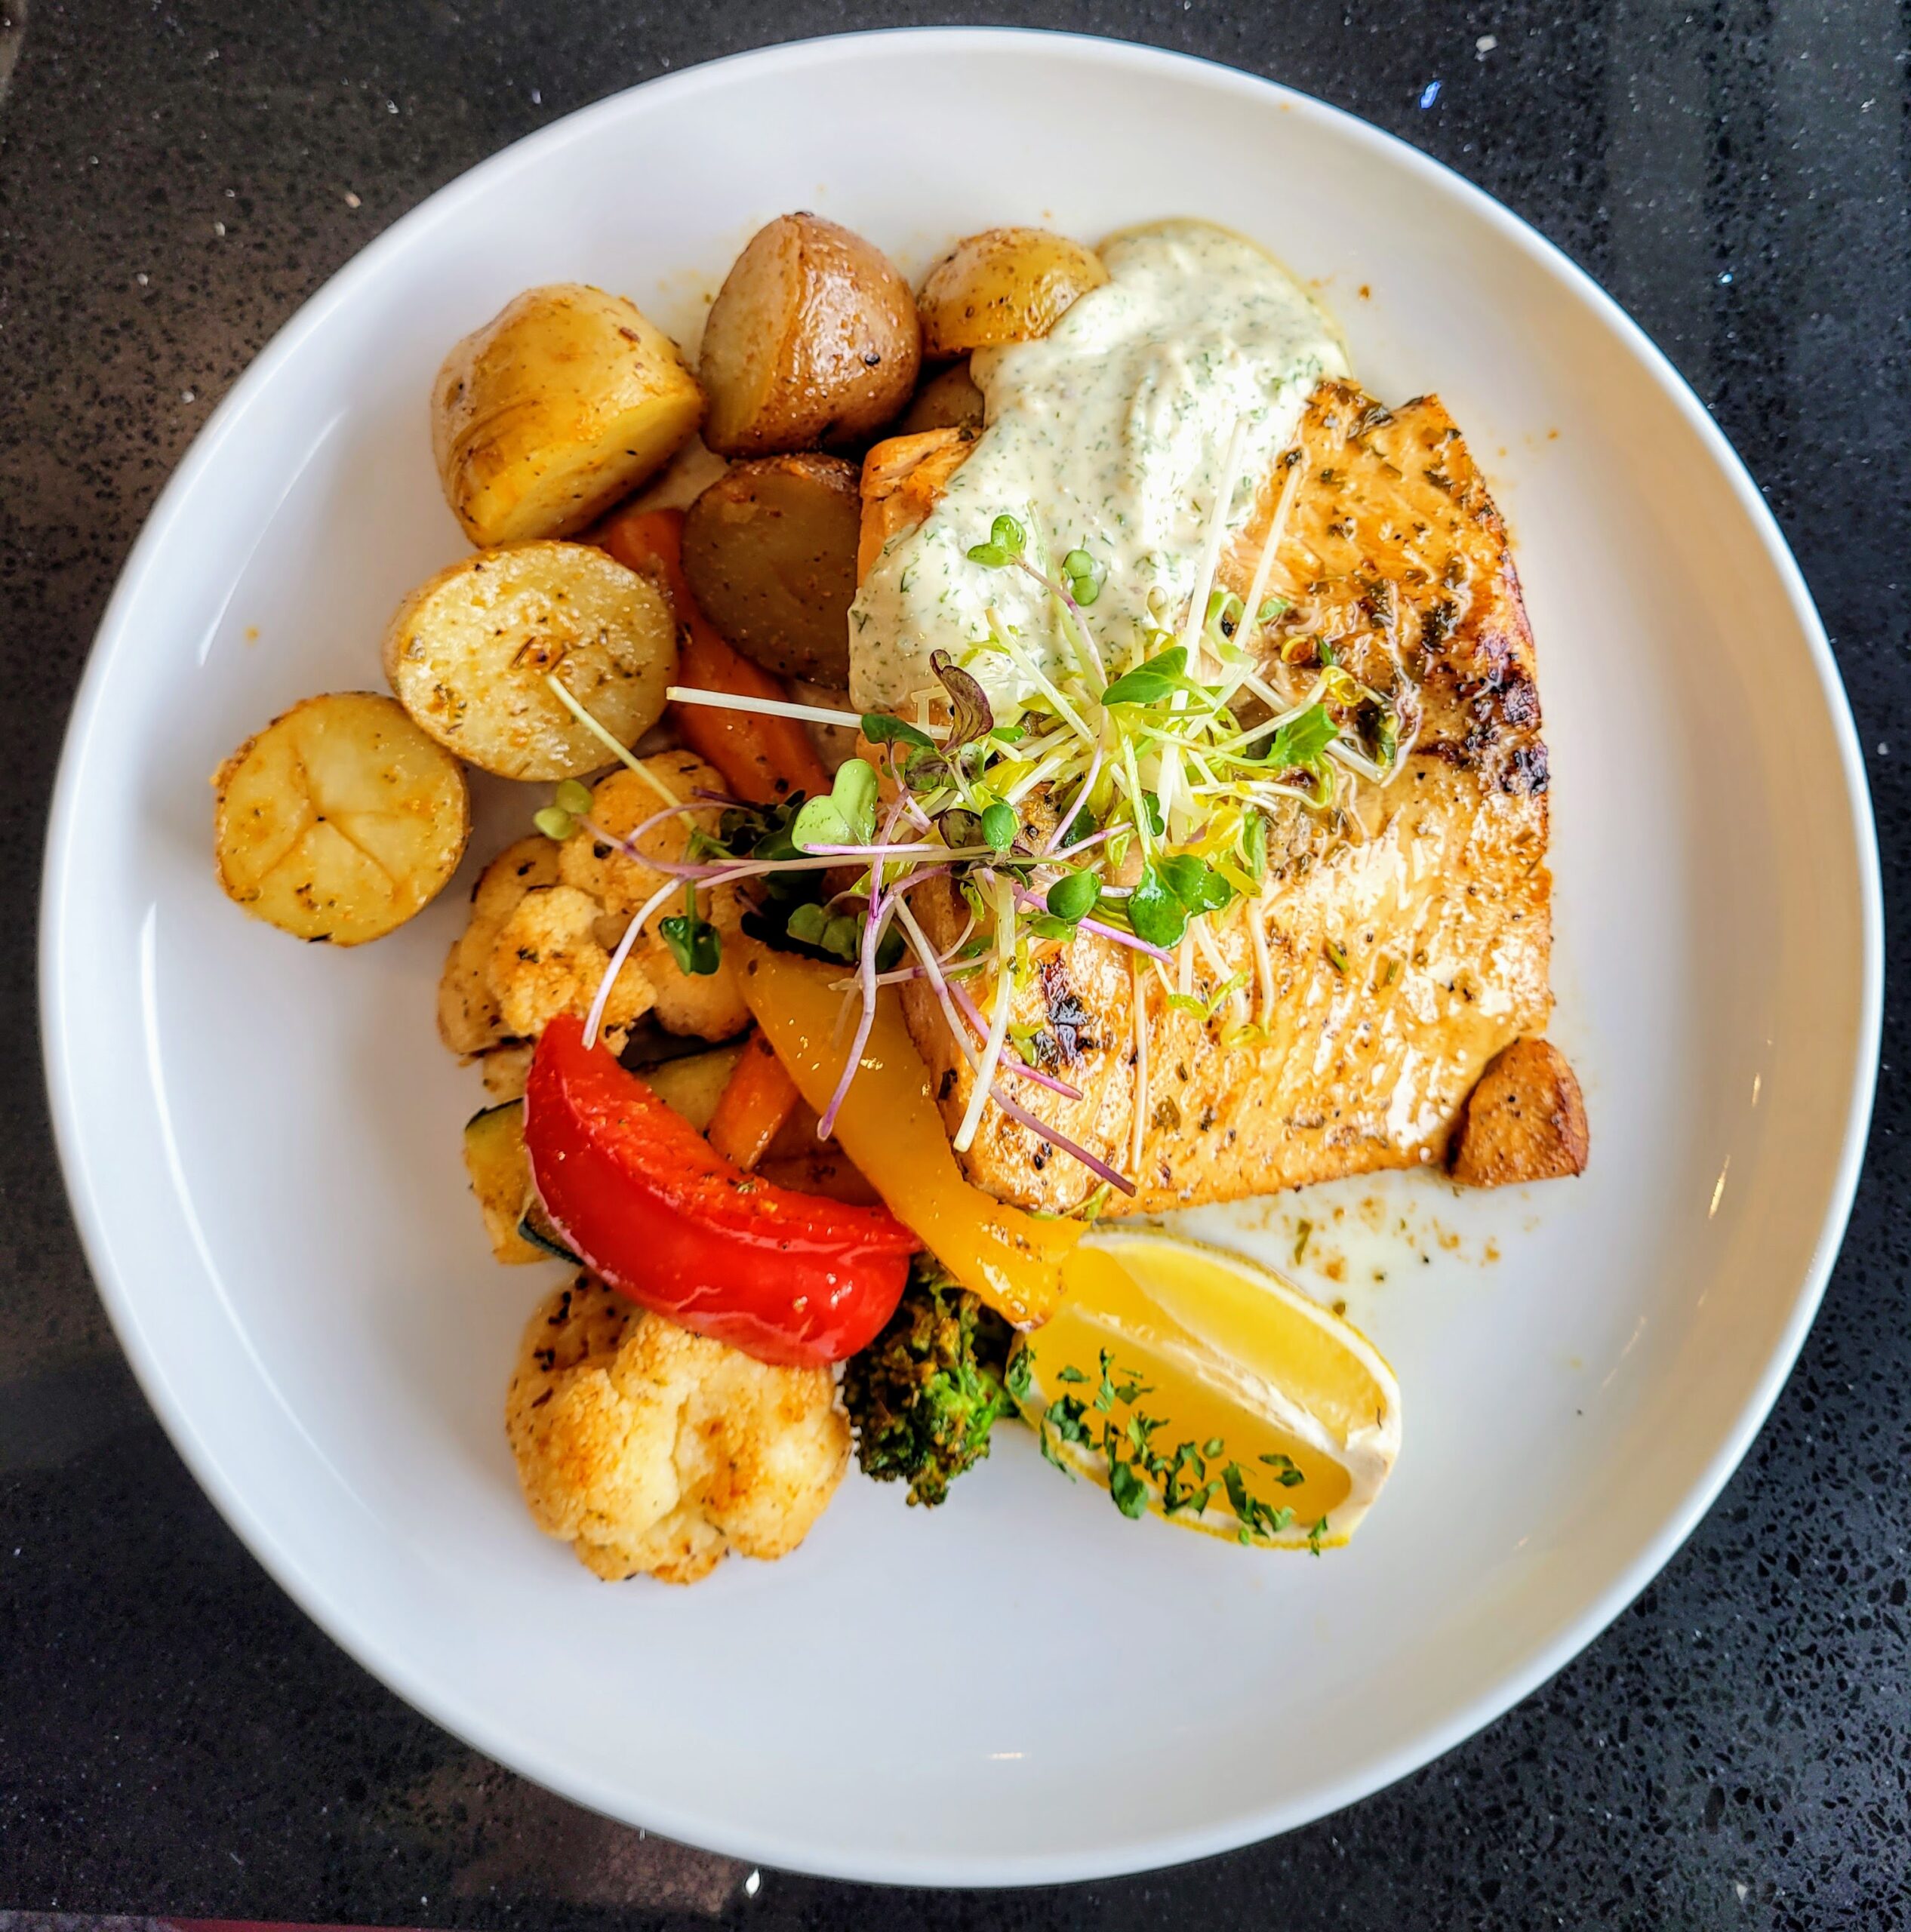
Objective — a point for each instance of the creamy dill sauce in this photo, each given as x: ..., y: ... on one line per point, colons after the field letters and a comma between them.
x: 1110, y: 435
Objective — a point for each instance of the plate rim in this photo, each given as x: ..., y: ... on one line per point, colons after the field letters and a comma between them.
x: 874, y: 1863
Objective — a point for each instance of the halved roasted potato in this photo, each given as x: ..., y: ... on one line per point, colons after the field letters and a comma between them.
x: 769, y: 549
x: 950, y: 401
x: 1005, y: 285
x: 468, y: 1021
x: 558, y: 406
x: 812, y: 339
x: 468, y: 654
x: 1525, y: 1120
x: 339, y: 819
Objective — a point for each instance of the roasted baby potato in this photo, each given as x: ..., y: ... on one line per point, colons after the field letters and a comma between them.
x: 950, y: 401
x: 339, y: 819
x: 1005, y: 285
x: 769, y: 552
x: 468, y: 1021
x: 559, y: 405
x: 468, y: 654
x: 812, y: 339
x: 1525, y: 1120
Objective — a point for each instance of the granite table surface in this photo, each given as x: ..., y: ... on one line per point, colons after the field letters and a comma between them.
x: 175, y: 1736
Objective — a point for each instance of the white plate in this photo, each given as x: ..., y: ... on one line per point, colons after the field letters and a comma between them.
x: 262, y: 1139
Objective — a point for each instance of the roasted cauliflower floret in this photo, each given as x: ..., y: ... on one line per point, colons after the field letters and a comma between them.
x: 468, y: 1021
x: 710, y: 1004
x: 649, y: 1449
x: 546, y: 960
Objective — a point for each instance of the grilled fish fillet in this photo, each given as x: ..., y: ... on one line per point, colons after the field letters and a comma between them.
x: 1336, y: 1025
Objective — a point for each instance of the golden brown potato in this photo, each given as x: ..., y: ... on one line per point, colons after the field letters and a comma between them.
x: 339, y: 819
x: 1005, y: 285
x: 468, y: 1021
x: 812, y: 339
x: 950, y: 401
x: 1525, y: 1120
x: 558, y: 406
x: 770, y: 552
x: 468, y: 654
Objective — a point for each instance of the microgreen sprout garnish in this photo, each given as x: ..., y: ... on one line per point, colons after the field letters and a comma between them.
x: 1140, y: 784
x: 694, y: 943
x: 569, y: 803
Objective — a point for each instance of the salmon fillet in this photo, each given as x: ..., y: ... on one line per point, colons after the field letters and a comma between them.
x: 1336, y: 1025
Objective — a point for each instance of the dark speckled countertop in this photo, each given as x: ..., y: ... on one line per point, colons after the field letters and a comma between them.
x: 174, y: 181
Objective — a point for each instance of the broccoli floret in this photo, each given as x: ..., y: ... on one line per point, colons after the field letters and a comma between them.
x: 924, y: 1395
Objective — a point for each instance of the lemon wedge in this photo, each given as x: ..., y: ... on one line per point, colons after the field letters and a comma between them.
x: 1188, y: 1381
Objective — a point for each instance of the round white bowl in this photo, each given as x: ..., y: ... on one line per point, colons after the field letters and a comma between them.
x: 262, y: 1139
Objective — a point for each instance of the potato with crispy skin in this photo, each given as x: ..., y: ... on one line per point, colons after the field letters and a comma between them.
x: 1525, y: 1120
x: 339, y: 821
x: 558, y: 407
x: 769, y: 550
x: 469, y: 654
x: 1003, y: 285
x: 468, y: 1021
x: 812, y: 340
x: 651, y: 1450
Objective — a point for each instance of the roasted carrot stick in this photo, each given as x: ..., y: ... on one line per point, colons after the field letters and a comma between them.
x: 762, y: 759
x: 756, y: 1100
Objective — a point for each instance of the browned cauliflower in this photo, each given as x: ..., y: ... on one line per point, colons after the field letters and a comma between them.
x: 649, y: 1449
x: 710, y: 1004
x: 546, y: 960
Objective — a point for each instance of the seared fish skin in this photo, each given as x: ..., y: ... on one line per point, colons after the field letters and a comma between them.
x: 1404, y: 946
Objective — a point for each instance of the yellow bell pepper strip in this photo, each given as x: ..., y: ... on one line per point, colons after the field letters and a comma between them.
x: 889, y: 1125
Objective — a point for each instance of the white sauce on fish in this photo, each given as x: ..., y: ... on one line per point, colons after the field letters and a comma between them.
x: 1111, y: 435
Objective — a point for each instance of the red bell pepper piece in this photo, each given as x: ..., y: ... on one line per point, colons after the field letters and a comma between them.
x: 654, y: 1210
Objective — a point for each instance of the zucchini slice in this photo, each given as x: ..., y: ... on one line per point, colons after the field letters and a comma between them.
x: 494, y: 1157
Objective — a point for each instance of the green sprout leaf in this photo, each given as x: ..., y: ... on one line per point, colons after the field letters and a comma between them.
x: 881, y: 729
x: 1300, y: 744
x: 554, y: 823
x: 1073, y: 896
x: 1156, y: 912
x: 999, y: 827
x: 1151, y: 682
x: 572, y: 797
x: 1254, y: 843
x: 1006, y: 538
x: 1193, y: 882
x: 1085, y: 576
x: 694, y: 943
x: 846, y: 817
